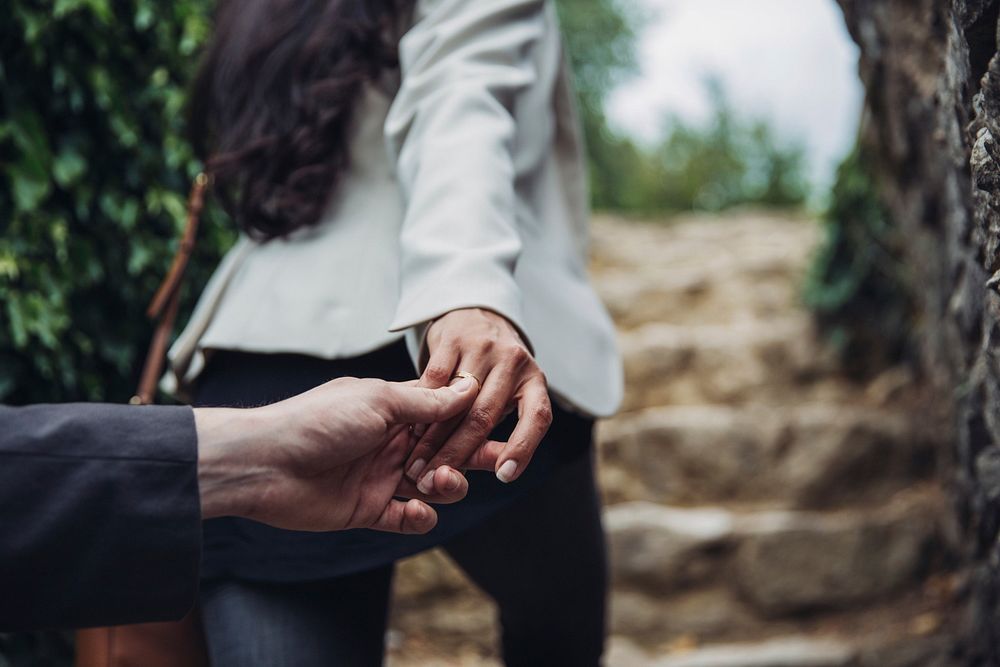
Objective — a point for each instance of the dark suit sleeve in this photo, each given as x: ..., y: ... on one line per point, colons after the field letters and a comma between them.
x: 100, y: 520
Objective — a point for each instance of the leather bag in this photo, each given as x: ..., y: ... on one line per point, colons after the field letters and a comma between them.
x: 178, y: 643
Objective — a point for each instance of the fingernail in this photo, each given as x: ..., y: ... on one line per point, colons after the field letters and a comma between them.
x: 506, y: 472
x: 454, y: 481
x: 426, y: 484
x: 419, y: 430
x: 463, y: 385
x: 415, y: 469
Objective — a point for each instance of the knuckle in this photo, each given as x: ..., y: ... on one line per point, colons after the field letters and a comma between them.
x: 517, y: 354
x: 481, y: 419
x: 543, y: 414
x: 522, y: 448
x: 437, y: 374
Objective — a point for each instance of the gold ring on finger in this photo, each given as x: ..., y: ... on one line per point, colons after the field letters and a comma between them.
x: 467, y: 374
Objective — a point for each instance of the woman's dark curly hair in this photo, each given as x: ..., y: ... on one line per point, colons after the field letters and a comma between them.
x: 272, y: 101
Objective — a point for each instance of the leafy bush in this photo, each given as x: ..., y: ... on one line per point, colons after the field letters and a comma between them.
x: 858, y: 286
x: 726, y: 162
x: 94, y: 173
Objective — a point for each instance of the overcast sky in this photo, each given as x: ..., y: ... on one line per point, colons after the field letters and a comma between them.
x: 790, y: 61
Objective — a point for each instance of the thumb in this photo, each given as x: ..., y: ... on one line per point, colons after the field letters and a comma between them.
x: 420, y: 405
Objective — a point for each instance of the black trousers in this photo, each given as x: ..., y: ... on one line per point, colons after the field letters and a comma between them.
x: 271, y: 599
x: 551, y: 597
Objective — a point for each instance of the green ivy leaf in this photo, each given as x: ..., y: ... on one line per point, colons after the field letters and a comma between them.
x: 28, y: 133
x: 27, y: 189
x: 68, y: 167
x: 144, y: 17
x: 18, y: 331
x: 100, y: 8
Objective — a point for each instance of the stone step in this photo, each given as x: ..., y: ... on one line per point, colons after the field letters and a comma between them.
x: 437, y: 609
x: 761, y: 565
x: 806, y: 455
x: 871, y: 649
x: 695, y: 296
x: 713, y: 574
x: 794, y: 651
x: 744, y: 241
x: 707, y: 613
x: 771, y: 361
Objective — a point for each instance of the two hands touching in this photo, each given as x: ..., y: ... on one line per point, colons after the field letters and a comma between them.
x: 333, y: 458
x: 485, y: 344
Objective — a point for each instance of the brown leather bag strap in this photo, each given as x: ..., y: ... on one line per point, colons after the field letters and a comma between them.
x: 166, y: 302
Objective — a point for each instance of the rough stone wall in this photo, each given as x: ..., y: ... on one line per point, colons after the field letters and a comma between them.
x: 932, y: 76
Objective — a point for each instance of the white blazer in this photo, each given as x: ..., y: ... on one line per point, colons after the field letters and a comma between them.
x: 467, y: 188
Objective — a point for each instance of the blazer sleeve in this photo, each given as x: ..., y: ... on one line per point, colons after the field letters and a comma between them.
x: 100, y: 520
x: 451, y: 133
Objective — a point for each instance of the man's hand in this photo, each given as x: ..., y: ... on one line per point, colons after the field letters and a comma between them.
x: 331, y: 458
x: 487, y: 345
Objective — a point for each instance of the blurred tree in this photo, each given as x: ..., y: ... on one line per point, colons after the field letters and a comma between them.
x: 93, y: 171
x: 600, y: 40
x: 728, y: 162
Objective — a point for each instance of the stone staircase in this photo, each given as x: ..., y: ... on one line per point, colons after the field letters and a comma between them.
x: 762, y: 510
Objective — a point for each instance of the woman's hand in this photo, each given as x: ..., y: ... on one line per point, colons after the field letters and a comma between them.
x: 488, y: 346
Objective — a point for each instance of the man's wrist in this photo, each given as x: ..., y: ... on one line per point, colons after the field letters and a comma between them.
x: 231, y: 474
